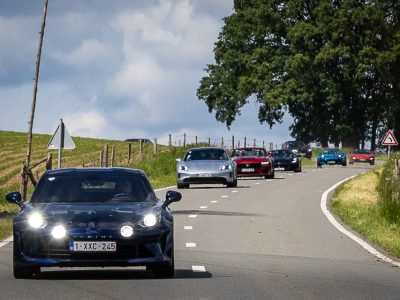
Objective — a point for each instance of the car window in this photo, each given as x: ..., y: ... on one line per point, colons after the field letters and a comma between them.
x: 93, y: 188
x: 206, y: 154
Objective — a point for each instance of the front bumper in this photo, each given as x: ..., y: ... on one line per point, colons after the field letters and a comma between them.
x: 206, y: 177
x: 252, y: 170
x: 331, y: 161
x: 41, y: 250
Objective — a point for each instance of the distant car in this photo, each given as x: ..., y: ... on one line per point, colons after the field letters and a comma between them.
x: 253, y: 162
x: 331, y: 157
x: 286, y: 160
x: 298, y: 147
x: 206, y: 165
x: 361, y: 155
x: 93, y: 217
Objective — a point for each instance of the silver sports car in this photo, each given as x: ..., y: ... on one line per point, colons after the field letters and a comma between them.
x: 206, y: 165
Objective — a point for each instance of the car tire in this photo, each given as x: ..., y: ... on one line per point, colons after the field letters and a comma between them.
x: 298, y: 169
x: 344, y: 163
x: 232, y: 184
x: 319, y: 163
x: 25, y: 272
x: 182, y: 185
x: 165, y: 271
x: 372, y: 163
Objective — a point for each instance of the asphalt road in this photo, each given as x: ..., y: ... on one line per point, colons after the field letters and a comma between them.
x: 265, y: 239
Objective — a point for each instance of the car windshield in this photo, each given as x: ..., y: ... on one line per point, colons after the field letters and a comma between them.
x: 94, y: 187
x: 206, y: 154
x: 249, y: 152
x: 331, y: 151
x: 282, y: 154
x: 362, y: 151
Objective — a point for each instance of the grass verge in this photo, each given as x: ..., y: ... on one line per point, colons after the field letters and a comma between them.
x: 356, y: 202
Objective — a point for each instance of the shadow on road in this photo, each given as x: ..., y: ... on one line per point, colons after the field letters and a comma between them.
x: 102, y: 274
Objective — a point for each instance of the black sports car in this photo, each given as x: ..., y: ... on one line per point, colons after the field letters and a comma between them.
x: 286, y: 160
x: 93, y: 217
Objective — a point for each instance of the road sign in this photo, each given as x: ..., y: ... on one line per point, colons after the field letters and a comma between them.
x: 389, y: 139
x: 61, y: 139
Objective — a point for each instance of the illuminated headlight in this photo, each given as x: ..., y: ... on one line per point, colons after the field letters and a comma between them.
x: 183, y: 168
x: 36, y: 220
x: 354, y: 158
x: 127, y: 231
x: 226, y: 167
x: 294, y: 159
x: 340, y: 156
x: 150, y: 220
x: 371, y: 158
x: 322, y: 156
x: 58, y: 232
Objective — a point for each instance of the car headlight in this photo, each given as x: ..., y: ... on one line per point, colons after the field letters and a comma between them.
x: 294, y: 159
x: 150, y: 219
x: 340, y: 156
x: 126, y: 231
x: 226, y: 167
x: 58, y: 232
x: 265, y: 162
x: 36, y: 220
x: 322, y: 156
x: 183, y: 168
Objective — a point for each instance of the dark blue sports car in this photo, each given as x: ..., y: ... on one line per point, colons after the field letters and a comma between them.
x: 93, y: 217
x: 331, y: 157
x: 286, y: 160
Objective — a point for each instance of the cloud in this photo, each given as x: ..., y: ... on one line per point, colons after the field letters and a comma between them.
x: 88, y: 124
x: 90, y: 52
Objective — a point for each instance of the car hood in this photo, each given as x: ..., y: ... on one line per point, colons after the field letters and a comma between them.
x: 204, y: 165
x: 100, y: 213
x: 361, y: 156
x: 249, y: 159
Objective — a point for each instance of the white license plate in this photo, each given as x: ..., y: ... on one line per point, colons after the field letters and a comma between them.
x: 279, y: 169
x: 91, y: 246
x: 248, y: 170
x: 205, y: 175
x: 331, y: 162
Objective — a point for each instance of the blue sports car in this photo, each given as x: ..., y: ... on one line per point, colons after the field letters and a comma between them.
x: 331, y: 157
x: 81, y: 217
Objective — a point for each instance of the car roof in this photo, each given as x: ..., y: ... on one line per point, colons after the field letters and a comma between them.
x: 250, y: 148
x: 206, y: 148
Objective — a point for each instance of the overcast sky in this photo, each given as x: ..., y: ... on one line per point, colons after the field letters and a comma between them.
x: 117, y: 69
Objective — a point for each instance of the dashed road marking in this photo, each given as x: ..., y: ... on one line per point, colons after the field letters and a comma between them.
x: 256, y: 183
x: 192, y: 216
x: 198, y: 268
x: 203, y: 207
x: 213, y: 201
x: 224, y: 196
x: 235, y: 191
x: 188, y: 227
x: 190, y: 245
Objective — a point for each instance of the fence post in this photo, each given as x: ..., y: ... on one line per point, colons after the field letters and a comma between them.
x: 129, y: 152
x: 140, y: 148
x: 49, y: 162
x: 245, y: 142
x: 112, y: 156
x: 169, y: 140
x: 105, y: 157
x: 155, y: 147
x: 101, y: 158
x: 233, y: 142
x: 209, y: 141
x: 222, y: 142
x: 184, y: 139
x: 254, y: 143
x: 196, y: 139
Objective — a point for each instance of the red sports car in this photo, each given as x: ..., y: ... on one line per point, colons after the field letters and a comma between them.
x: 253, y: 162
x: 361, y: 155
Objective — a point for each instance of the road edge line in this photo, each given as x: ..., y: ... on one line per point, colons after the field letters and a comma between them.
x: 339, y: 227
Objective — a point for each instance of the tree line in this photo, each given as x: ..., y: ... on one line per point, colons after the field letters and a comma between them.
x: 333, y: 65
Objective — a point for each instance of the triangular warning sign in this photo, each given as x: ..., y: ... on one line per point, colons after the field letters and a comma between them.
x: 61, y: 139
x: 389, y: 139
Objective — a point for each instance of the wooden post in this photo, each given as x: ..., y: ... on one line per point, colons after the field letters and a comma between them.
x: 129, y: 152
x: 169, y: 140
x: 254, y: 143
x: 233, y: 142
x: 112, y: 156
x: 49, y: 162
x: 184, y: 139
x: 196, y: 139
x: 105, y: 156
x: 209, y: 142
x: 140, y: 148
x: 222, y: 142
x: 245, y: 142
x: 155, y: 147
x: 101, y: 158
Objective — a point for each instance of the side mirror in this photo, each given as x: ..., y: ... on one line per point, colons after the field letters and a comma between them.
x: 171, y: 196
x: 15, y: 197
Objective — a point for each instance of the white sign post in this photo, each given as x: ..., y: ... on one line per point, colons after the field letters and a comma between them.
x: 389, y: 140
x: 61, y: 140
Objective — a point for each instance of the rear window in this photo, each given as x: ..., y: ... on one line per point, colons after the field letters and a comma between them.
x: 66, y: 188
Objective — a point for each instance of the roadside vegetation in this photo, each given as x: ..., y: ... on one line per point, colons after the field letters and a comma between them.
x: 370, y: 204
x: 159, y: 168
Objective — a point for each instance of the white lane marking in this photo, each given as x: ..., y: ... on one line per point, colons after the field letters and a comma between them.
x: 268, y: 180
x: 213, y: 201
x: 224, y: 196
x: 188, y: 227
x: 203, y: 207
x: 198, y: 268
x: 235, y: 191
x: 192, y: 216
x: 190, y: 245
x: 6, y: 241
x: 290, y: 174
x: 339, y: 227
x: 256, y: 183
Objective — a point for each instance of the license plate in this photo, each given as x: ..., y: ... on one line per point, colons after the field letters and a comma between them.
x: 248, y: 170
x: 279, y: 169
x: 205, y: 175
x: 331, y: 162
x: 91, y: 246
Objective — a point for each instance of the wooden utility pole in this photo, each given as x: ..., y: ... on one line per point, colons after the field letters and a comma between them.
x: 25, y: 167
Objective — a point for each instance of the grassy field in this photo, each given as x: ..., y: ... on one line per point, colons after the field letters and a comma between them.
x: 358, y: 203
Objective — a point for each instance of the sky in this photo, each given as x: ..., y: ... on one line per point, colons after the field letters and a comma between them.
x: 118, y: 70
